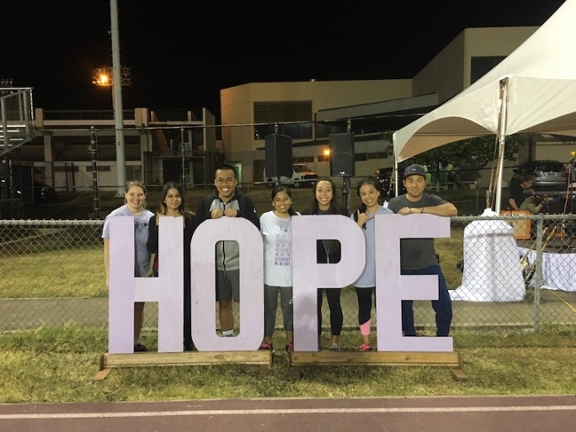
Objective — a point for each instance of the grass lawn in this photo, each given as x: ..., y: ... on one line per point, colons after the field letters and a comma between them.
x: 56, y: 365
x: 53, y: 274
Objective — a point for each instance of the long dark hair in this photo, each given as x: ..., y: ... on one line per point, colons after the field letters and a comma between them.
x: 163, y: 209
x: 334, y: 208
x: 365, y: 181
x: 283, y: 188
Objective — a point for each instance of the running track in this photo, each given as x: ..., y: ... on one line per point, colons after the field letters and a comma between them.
x: 422, y: 414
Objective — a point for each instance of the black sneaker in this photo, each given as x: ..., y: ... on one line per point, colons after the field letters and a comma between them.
x: 138, y: 347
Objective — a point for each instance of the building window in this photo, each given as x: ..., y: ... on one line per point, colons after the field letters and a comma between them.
x: 376, y: 155
x: 99, y: 168
x: 323, y: 158
x: 480, y: 66
x: 323, y: 130
x: 304, y: 159
x: 297, y: 113
x: 66, y: 168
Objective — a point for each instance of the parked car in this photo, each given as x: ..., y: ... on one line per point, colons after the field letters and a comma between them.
x: 551, y: 175
x: 44, y: 193
x: 41, y: 192
x: 301, y: 176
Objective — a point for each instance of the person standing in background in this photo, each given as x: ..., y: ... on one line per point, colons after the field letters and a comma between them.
x: 324, y: 202
x: 276, y: 229
x: 369, y: 192
x: 135, y: 206
x: 172, y: 204
x: 417, y: 255
x: 227, y: 201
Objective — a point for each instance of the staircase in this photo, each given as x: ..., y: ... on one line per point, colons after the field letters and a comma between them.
x: 16, y: 118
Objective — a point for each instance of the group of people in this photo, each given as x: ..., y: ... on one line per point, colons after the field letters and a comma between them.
x: 418, y: 256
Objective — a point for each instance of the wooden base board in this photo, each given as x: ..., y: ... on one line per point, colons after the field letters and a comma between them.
x: 296, y: 360
x: 195, y: 358
x: 452, y: 360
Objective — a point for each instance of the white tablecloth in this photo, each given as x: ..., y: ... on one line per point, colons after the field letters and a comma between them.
x: 491, y: 264
x: 558, y: 270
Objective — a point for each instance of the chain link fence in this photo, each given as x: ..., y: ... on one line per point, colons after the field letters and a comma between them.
x: 53, y: 276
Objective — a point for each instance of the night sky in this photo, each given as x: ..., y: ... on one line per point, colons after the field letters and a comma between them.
x: 181, y: 53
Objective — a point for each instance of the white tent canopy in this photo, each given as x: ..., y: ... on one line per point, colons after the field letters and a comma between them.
x: 540, y: 81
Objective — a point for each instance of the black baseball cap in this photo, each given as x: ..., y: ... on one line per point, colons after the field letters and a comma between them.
x: 415, y: 170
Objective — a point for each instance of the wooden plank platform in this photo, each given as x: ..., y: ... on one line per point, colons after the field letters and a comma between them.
x: 194, y: 358
x: 451, y: 360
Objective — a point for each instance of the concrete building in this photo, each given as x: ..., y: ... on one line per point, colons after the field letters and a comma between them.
x: 310, y: 111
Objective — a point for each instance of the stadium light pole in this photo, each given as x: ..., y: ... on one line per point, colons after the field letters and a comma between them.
x: 117, y: 95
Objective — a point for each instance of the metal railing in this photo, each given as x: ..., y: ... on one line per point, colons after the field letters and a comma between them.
x: 16, y: 118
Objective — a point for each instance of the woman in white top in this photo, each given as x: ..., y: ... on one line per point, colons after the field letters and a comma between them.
x: 276, y: 229
x: 369, y: 191
x: 134, y: 205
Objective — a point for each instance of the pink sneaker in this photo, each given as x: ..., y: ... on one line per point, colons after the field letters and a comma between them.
x: 365, y: 347
x: 265, y: 346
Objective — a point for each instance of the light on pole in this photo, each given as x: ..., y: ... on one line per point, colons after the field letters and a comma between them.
x: 104, y: 77
x: 5, y: 86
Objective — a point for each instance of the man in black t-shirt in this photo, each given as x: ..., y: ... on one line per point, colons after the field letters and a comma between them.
x: 517, y: 196
x: 417, y: 255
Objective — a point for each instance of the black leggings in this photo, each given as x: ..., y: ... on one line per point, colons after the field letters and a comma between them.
x: 336, y: 316
x: 365, y: 304
x: 187, y: 310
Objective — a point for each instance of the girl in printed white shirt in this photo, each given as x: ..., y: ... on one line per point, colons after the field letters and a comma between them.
x: 276, y: 229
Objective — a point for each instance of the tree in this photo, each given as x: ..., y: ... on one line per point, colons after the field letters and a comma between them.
x: 476, y: 152
x: 469, y: 155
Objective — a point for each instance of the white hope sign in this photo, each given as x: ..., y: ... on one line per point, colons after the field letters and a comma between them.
x: 308, y: 277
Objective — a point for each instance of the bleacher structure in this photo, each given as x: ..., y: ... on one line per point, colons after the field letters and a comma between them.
x: 16, y: 129
x: 16, y: 118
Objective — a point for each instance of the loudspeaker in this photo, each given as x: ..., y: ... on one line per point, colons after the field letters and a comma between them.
x: 278, y: 149
x: 342, y: 154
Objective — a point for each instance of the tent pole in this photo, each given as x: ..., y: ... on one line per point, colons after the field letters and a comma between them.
x: 501, y: 142
x: 395, y: 177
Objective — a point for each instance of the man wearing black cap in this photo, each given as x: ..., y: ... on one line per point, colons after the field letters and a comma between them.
x: 417, y: 256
